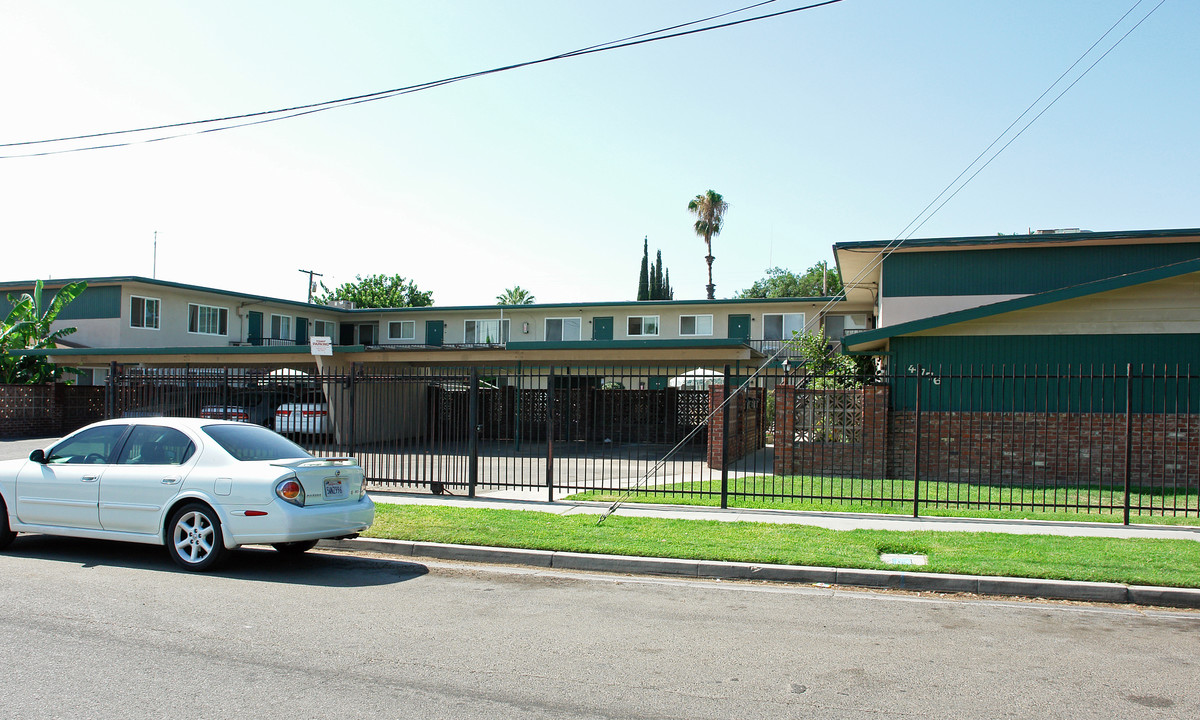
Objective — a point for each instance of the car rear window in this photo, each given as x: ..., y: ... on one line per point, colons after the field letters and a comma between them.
x: 251, y: 442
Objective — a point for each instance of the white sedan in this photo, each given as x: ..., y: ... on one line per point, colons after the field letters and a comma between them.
x: 199, y: 487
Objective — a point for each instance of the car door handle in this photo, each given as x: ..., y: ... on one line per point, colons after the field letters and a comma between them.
x: 171, y: 480
x: 90, y: 478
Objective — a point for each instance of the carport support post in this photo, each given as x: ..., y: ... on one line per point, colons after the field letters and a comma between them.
x: 473, y: 439
x: 550, y: 434
x: 727, y: 394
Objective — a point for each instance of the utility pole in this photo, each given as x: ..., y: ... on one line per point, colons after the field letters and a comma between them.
x: 154, y: 260
x: 311, y: 275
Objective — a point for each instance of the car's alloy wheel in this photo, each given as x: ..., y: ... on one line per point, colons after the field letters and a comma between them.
x: 194, y: 539
x: 295, y: 548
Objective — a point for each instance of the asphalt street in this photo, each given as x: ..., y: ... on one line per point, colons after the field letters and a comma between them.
x: 97, y: 629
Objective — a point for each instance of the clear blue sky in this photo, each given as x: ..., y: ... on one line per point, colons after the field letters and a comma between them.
x: 835, y: 124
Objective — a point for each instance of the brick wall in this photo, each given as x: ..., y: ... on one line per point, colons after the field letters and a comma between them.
x: 1048, y: 448
x: 48, y: 410
x: 747, y: 428
x: 995, y: 447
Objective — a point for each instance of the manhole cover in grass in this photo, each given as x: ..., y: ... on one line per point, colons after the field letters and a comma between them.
x: 904, y: 559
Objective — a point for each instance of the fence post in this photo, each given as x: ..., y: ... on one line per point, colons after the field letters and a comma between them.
x: 917, y: 450
x: 189, y: 387
x: 110, y: 392
x: 473, y: 439
x: 726, y: 395
x: 353, y: 411
x: 1128, y: 432
x: 550, y: 434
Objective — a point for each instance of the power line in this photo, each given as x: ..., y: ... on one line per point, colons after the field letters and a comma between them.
x: 267, y: 116
x: 899, y: 240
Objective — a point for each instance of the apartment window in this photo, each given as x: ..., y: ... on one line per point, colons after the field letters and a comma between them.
x: 207, y: 320
x: 780, y: 326
x: 281, y: 327
x: 692, y: 325
x: 559, y: 329
x: 638, y: 325
x: 366, y: 334
x: 490, y: 332
x: 143, y: 312
x: 402, y: 330
x: 322, y: 328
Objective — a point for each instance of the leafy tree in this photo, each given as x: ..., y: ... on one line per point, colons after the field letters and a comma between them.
x: 377, y: 291
x: 27, y: 327
x: 515, y: 295
x: 826, y: 368
x: 817, y: 281
x: 709, y: 209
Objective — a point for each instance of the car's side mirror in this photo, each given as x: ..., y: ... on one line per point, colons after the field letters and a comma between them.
x: 38, y: 456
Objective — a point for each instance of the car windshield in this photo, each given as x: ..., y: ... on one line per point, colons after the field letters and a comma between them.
x: 251, y: 442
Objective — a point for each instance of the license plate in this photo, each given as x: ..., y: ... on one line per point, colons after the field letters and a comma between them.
x: 334, y: 489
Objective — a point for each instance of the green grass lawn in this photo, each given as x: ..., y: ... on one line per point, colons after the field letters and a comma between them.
x: 1143, y: 561
x: 938, y: 499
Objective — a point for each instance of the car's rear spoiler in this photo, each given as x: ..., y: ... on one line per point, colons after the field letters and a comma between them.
x: 316, y: 462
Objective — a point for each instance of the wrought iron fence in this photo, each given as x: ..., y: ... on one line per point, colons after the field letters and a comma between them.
x: 1124, y: 440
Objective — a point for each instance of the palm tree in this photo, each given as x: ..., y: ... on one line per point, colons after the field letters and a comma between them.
x: 515, y: 295
x: 709, y: 209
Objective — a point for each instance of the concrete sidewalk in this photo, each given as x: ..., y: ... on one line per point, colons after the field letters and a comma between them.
x: 823, y: 576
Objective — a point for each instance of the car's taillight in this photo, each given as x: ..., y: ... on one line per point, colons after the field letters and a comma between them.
x: 283, y: 413
x: 290, y: 490
x: 313, y: 413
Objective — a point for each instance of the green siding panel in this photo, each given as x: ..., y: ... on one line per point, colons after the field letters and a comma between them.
x: 1052, y: 373
x: 1019, y: 271
x: 1046, y: 351
x: 94, y: 303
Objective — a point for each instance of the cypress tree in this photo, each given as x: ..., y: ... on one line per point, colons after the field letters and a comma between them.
x: 643, y: 292
x: 657, y: 291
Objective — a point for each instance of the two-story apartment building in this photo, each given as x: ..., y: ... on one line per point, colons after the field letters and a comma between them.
x: 155, y: 322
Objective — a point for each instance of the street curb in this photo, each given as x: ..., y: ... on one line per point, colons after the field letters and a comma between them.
x: 1115, y: 593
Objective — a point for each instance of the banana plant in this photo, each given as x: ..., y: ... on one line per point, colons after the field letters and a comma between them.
x: 28, y: 326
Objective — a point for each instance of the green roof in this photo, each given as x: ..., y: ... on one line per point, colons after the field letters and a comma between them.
x: 1032, y: 238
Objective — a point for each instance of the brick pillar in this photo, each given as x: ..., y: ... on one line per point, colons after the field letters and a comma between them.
x: 875, y: 430
x: 785, y: 429
x: 716, y: 426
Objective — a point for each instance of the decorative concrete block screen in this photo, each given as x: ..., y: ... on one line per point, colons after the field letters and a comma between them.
x: 47, y: 410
